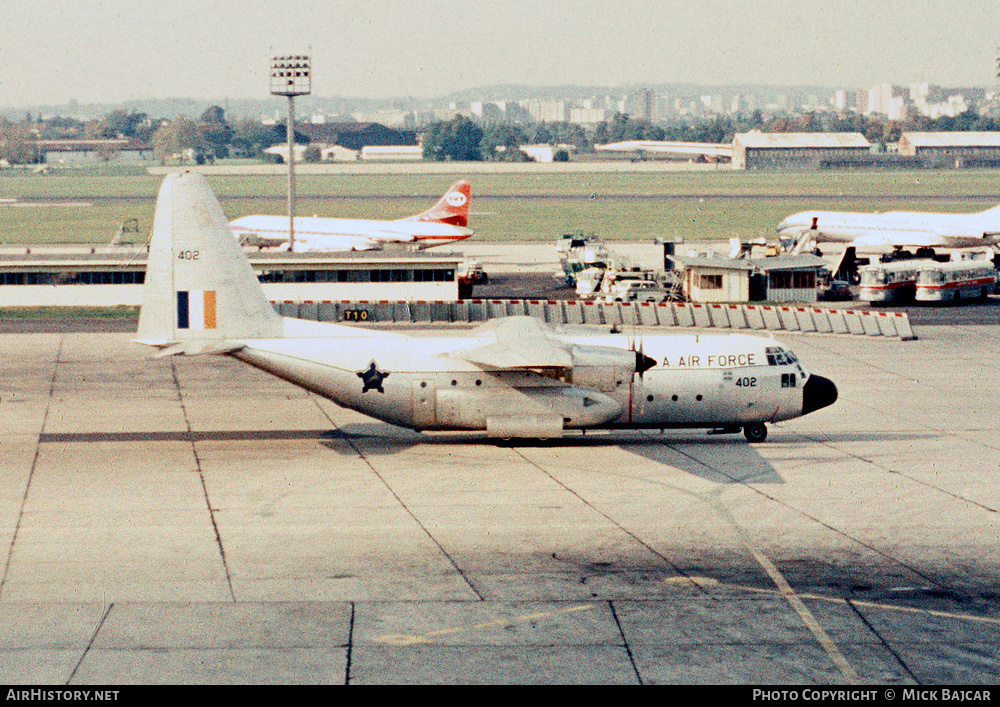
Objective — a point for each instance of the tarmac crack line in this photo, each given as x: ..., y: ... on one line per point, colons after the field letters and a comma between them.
x: 350, y: 646
x: 828, y: 443
x: 204, y: 486
x: 90, y: 643
x: 677, y: 570
x: 402, y: 503
x: 31, y: 471
x: 814, y: 519
x: 784, y: 588
x: 793, y: 599
x: 885, y: 643
x: 628, y: 648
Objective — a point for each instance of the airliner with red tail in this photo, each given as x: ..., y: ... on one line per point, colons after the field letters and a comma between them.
x: 445, y: 222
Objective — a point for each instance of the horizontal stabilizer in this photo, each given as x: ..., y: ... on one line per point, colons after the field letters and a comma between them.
x: 192, y: 347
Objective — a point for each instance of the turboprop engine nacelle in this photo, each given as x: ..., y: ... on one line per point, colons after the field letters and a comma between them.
x: 606, y: 367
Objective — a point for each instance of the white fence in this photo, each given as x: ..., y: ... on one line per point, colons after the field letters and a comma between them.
x: 665, y: 314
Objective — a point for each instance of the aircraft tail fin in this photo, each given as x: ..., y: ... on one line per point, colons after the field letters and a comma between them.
x: 452, y: 208
x: 200, y: 290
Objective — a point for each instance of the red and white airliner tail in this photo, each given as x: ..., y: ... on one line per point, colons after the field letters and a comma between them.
x: 453, y: 207
x: 445, y: 222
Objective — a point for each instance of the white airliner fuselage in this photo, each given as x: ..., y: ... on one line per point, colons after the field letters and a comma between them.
x: 347, y: 234
x: 445, y: 222
x: 894, y: 229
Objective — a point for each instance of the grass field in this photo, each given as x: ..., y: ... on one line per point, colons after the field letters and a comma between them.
x: 694, y: 205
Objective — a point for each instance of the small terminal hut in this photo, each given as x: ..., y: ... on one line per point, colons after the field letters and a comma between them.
x: 716, y: 278
x: 713, y: 278
x: 786, y: 278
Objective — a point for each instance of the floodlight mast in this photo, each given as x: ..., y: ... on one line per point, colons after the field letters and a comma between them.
x: 291, y: 75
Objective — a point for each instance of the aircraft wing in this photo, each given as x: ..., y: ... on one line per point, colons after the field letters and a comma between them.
x: 521, y: 344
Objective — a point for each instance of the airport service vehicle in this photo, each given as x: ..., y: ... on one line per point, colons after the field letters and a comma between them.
x: 512, y: 377
x: 954, y: 281
x: 635, y: 291
x: 892, y: 229
x: 894, y: 281
x: 472, y: 273
x: 839, y: 290
x: 445, y: 222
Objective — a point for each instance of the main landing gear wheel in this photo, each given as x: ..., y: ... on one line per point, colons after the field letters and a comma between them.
x: 756, y: 432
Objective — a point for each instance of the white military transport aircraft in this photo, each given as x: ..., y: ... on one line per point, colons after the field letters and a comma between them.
x: 445, y: 222
x: 511, y: 377
x: 897, y: 229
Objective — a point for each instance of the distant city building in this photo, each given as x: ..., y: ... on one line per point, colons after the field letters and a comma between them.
x: 587, y: 116
x: 489, y: 111
x: 546, y: 111
x: 639, y: 105
x: 884, y: 99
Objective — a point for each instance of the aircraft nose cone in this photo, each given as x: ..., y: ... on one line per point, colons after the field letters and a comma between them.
x: 817, y: 393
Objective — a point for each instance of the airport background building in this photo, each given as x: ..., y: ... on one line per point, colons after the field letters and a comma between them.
x: 108, y: 276
x: 713, y: 278
x: 758, y: 150
x: 952, y: 149
x: 710, y: 278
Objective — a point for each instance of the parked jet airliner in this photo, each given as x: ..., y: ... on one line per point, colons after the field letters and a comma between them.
x: 894, y: 229
x: 512, y: 377
x: 445, y: 222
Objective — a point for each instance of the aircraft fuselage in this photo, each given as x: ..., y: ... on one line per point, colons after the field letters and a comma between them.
x: 698, y: 381
x: 897, y: 228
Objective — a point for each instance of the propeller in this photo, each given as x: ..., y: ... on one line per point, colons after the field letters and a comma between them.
x: 642, y: 362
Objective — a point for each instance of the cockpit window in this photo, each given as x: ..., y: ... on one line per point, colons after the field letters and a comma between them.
x: 777, y: 356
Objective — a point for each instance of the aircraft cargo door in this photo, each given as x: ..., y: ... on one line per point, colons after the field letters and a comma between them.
x: 424, y: 403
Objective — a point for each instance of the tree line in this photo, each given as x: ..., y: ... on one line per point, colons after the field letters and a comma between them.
x: 208, y: 138
x: 212, y: 136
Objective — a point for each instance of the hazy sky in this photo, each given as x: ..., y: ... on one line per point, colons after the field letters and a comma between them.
x: 52, y: 51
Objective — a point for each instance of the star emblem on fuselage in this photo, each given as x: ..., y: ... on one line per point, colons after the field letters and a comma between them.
x: 372, y: 378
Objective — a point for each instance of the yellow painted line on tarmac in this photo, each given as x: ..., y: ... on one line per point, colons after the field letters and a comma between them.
x: 402, y: 639
x: 872, y: 605
x: 785, y: 590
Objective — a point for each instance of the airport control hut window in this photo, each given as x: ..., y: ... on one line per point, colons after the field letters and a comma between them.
x: 710, y: 282
x: 781, y: 280
x: 803, y: 279
x: 793, y: 279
